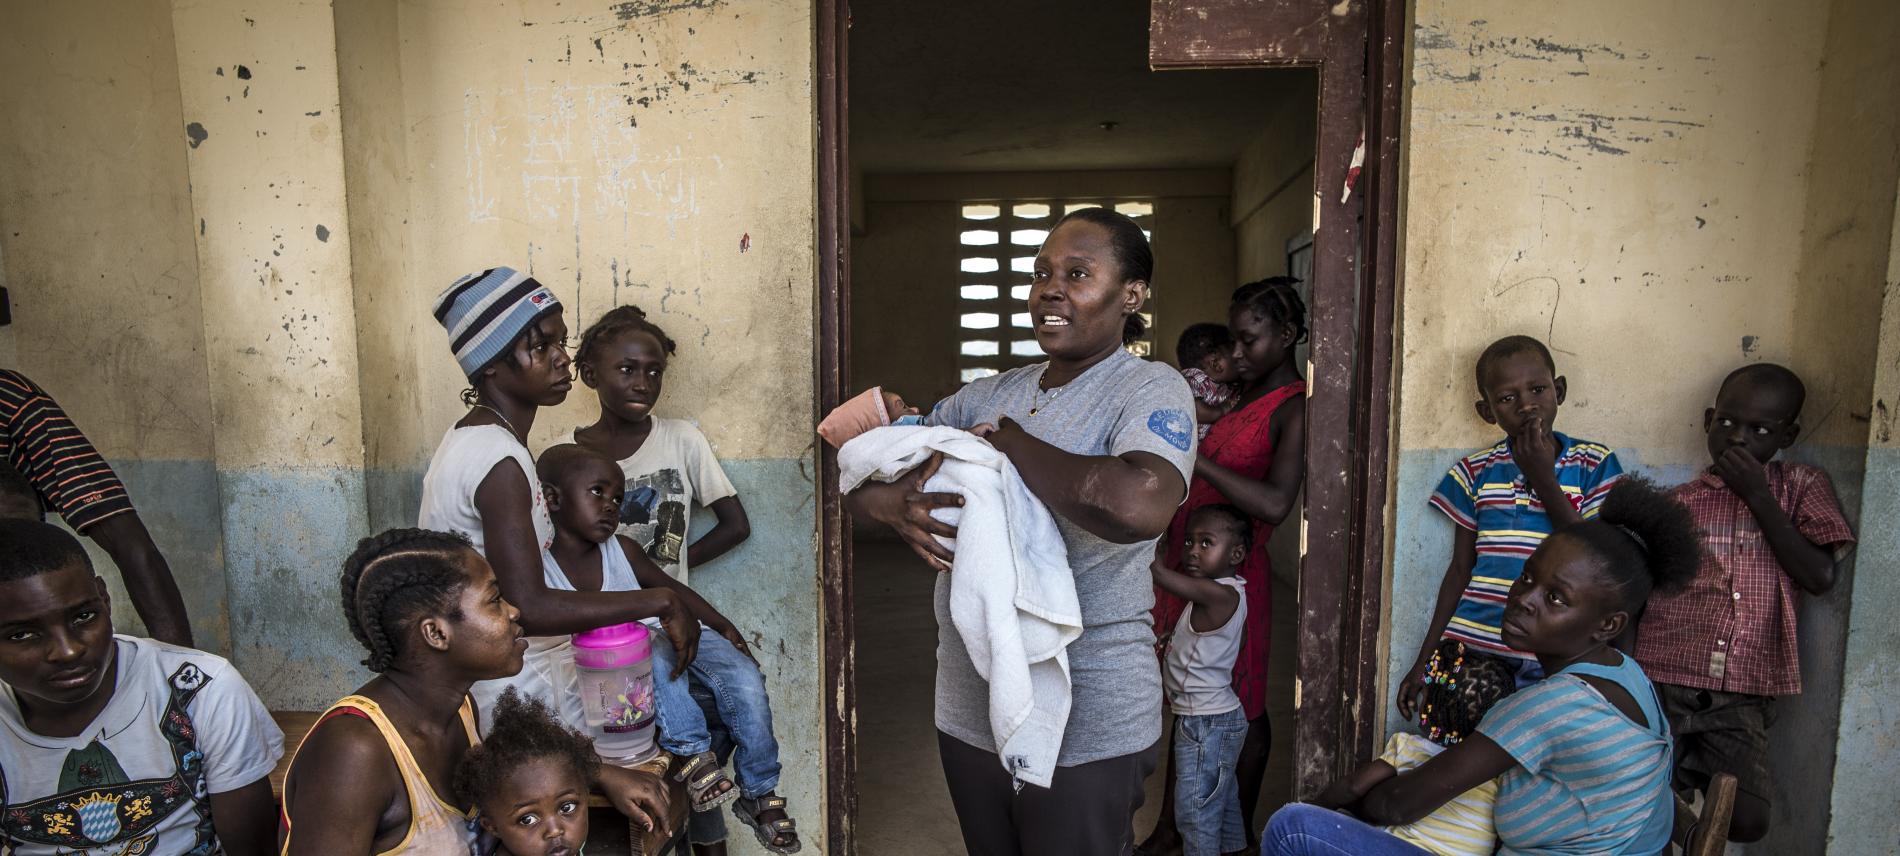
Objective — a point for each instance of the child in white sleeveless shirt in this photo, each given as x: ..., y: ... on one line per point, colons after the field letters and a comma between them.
x: 1209, y: 725
x: 584, y: 491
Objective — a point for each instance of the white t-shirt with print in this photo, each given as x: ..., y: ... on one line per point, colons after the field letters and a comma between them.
x: 673, y: 471
x: 461, y: 461
x: 123, y: 786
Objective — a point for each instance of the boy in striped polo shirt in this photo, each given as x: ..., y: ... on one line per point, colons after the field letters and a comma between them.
x: 1505, y: 500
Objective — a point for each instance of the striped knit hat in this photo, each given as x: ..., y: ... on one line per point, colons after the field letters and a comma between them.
x: 484, y: 312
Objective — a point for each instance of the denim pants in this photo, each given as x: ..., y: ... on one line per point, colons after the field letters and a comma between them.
x: 1206, y: 792
x: 738, y: 690
x: 1298, y: 829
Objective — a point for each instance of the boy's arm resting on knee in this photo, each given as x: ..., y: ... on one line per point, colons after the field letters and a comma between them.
x: 1348, y: 789
x: 1464, y: 555
x: 1411, y: 795
x: 515, y: 554
x: 731, y: 530
x: 146, y: 575
x: 246, y: 819
x: 652, y: 577
x: 342, y: 782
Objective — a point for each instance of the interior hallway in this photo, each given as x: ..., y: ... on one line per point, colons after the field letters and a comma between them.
x: 903, y: 806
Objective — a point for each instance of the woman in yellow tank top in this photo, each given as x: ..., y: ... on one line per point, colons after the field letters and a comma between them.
x: 374, y: 776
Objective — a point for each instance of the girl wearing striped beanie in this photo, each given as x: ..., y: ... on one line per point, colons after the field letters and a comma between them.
x: 509, y: 337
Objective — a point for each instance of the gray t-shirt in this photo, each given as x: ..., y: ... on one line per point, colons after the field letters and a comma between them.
x: 1121, y: 404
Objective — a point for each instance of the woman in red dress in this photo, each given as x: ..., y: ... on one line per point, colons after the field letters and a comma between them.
x: 1253, y: 458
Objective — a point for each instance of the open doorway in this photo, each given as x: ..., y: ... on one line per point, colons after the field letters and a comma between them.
x: 1353, y: 50
x: 961, y: 159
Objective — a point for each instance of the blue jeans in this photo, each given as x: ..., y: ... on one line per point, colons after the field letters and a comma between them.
x: 1206, y: 792
x: 738, y: 689
x: 1298, y: 829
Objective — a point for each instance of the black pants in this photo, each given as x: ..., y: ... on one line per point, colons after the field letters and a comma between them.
x: 1088, y: 810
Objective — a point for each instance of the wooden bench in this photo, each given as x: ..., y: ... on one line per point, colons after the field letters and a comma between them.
x: 296, y: 725
x: 1706, y: 833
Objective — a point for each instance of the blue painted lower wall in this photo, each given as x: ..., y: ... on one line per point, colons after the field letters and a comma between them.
x: 1867, y: 769
x: 178, y: 500
x: 1802, y: 741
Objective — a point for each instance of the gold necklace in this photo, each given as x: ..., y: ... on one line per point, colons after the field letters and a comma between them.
x: 1036, y: 403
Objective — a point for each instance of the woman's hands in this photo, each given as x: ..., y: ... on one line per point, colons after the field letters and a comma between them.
x: 905, y: 506
x: 639, y: 795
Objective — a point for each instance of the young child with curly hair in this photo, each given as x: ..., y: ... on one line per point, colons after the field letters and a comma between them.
x: 528, y: 780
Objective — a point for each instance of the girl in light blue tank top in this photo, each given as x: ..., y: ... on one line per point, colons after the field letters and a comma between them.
x: 1583, y: 757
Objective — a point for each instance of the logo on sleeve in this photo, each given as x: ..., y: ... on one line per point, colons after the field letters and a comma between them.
x: 1174, y: 426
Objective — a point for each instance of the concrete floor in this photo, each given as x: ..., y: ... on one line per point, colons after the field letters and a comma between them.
x: 903, y: 806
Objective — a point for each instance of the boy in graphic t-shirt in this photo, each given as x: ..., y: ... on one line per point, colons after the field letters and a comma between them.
x: 115, y: 744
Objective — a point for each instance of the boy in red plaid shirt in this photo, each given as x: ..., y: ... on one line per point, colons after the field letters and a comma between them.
x: 1721, y: 649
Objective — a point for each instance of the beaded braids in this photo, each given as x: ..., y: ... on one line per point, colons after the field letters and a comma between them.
x: 617, y: 322
x: 1461, y: 686
x: 394, y: 577
x: 1276, y: 300
x: 524, y: 731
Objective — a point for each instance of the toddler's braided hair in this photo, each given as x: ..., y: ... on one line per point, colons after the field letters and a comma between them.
x: 524, y: 730
x: 1461, y: 685
x: 394, y: 577
x: 1276, y: 300
x: 618, y: 321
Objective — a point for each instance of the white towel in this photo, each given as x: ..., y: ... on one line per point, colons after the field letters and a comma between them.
x: 1012, y: 595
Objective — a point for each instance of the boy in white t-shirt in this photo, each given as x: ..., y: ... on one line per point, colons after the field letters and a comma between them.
x: 114, y: 744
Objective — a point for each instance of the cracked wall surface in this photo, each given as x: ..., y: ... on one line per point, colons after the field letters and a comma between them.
x: 224, y: 223
x: 1661, y: 192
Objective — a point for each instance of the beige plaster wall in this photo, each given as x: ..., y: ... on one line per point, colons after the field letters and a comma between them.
x: 267, y: 182
x: 96, y: 224
x: 624, y: 155
x: 1601, y: 176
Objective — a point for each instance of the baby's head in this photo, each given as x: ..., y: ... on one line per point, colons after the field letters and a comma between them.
x: 1210, y: 348
x: 894, y: 406
x: 18, y: 499
x: 1218, y: 537
x: 1460, y: 687
x: 1518, y: 382
x: 529, y: 779
x: 584, y: 489
x: 1757, y: 409
x: 873, y: 408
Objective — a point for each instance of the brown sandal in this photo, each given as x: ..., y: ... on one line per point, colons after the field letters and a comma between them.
x: 702, y: 775
x: 748, y: 811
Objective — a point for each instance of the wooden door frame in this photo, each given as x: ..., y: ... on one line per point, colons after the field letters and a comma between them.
x: 1351, y: 43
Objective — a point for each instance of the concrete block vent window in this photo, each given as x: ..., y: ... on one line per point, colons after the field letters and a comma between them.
x: 999, y: 240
